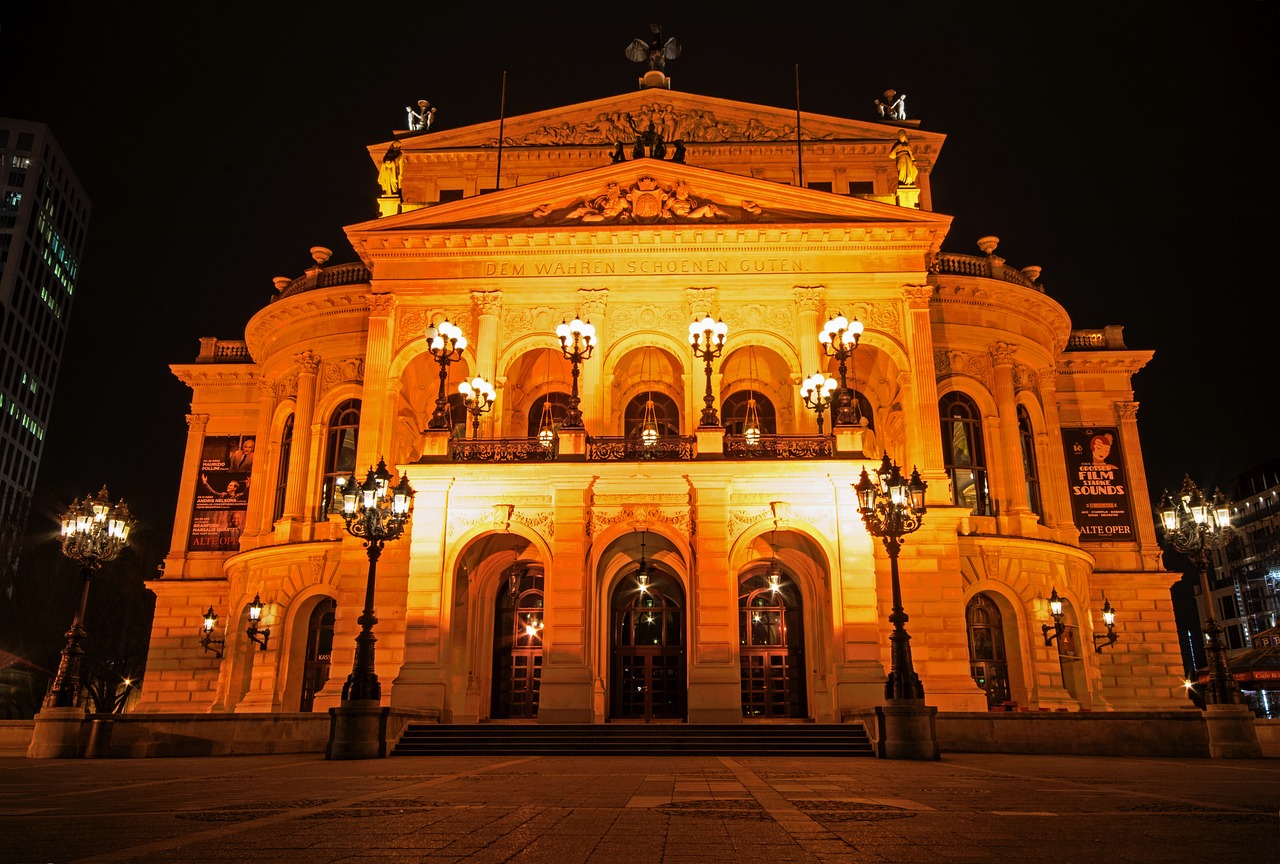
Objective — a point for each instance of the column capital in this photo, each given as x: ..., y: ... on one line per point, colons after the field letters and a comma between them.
x: 266, y: 388
x: 702, y: 301
x: 308, y: 361
x: 197, y: 422
x: 1125, y: 410
x: 1001, y: 354
x: 809, y: 298
x: 487, y: 302
x: 917, y: 296
x: 592, y: 302
x: 382, y: 304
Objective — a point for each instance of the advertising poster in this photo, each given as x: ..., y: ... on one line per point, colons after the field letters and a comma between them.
x: 1099, y: 488
x: 222, y: 493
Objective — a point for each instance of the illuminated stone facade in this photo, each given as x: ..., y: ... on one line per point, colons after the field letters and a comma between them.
x: 335, y: 374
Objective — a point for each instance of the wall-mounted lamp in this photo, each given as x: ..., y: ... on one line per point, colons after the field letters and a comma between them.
x: 1108, y: 618
x: 1055, y: 609
x: 252, y: 631
x: 206, y: 634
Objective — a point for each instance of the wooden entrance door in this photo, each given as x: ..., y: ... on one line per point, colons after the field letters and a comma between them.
x: 647, y: 675
x: 771, y: 646
x: 517, y: 649
x: 315, y: 668
x: 987, y: 663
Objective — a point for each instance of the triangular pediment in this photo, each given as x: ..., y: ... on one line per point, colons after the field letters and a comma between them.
x: 648, y: 193
x: 676, y: 116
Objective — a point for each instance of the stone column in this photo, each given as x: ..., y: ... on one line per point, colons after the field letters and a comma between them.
x: 295, y: 502
x: 591, y: 388
x: 924, y: 430
x: 1013, y: 496
x: 489, y: 315
x: 715, y: 679
x: 377, y: 408
x: 808, y: 300
x: 1054, y: 484
x: 261, y: 489
x: 1136, y: 473
x: 196, y: 425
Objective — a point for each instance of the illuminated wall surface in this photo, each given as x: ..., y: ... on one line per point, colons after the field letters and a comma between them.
x: 516, y: 591
x: 43, y: 214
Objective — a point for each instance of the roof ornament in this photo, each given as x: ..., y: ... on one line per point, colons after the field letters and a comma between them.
x: 656, y: 52
x: 421, y: 120
x: 894, y: 106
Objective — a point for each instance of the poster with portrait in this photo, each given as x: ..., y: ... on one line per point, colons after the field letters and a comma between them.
x: 222, y: 493
x: 1098, y: 486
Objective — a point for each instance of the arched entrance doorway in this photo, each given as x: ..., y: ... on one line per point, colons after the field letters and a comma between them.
x: 517, y: 645
x: 771, y: 645
x: 315, y: 664
x: 647, y: 668
x: 987, y: 660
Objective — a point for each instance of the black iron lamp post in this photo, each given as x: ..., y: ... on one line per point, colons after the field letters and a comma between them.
x: 816, y: 391
x: 446, y: 344
x: 93, y: 531
x: 839, y: 339
x: 707, y: 338
x: 577, y: 342
x: 1195, y: 526
x: 375, y: 513
x: 892, y: 507
x: 477, y: 395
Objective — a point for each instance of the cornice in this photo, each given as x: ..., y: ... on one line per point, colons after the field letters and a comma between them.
x: 318, y: 303
x: 1081, y: 362
x: 994, y: 294
x: 219, y: 375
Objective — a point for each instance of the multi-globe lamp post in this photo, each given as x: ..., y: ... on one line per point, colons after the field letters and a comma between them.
x: 577, y: 342
x: 839, y: 339
x: 707, y: 338
x: 1195, y: 525
x: 477, y: 396
x: 446, y: 343
x: 93, y: 531
x: 817, y: 392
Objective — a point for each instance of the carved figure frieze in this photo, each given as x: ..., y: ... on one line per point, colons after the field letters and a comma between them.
x: 645, y: 202
x: 650, y: 316
x: 696, y: 125
x: 782, y: 516
x: 676, y: 513
x: 754, y: 316
x: 287, y: 386
x: 519, y: 320
x: 1025, y: 378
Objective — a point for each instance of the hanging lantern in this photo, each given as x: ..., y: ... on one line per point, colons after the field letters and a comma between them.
x: 649, y: 425
x: 546, y: 426
x: 751, y: 425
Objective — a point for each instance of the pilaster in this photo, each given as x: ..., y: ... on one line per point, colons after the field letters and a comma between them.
x: 924, y: 430
x: 565, y: 694
x: 196, y: 425
x: 591, y: 306
x: 377, y: 409
x: 488, y: 307
x: 261, y: 489
x: 1055, y: 492
x: 295, y: 509
x: 1014, y: 507
x: 808, y: 303
x: 715, y: 688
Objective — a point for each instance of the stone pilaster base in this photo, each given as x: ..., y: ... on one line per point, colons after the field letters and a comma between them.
x: 57, y: 734
x: 357, y: 730
x: 1232, y: 733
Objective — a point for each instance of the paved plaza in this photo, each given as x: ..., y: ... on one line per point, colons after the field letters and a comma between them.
x: 663, y: 810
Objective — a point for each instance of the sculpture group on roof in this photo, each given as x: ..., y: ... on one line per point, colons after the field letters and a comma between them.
x: 656, y: 52
x: 421, y: 120
x: 894, y: 106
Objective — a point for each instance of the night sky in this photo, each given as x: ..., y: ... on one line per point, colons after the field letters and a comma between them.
x: 1121, y: 149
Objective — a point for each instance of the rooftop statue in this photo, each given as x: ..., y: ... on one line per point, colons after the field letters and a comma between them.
x: 389, y: 172
x: 421, y: 120
x: 655, y: 52
x: 905, y: 159
x: 894, y: 106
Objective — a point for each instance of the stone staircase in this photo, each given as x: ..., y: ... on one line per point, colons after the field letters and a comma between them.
x: 636, y: 739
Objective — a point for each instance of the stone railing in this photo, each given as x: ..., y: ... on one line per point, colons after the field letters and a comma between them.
x: 955, y: 264
x: 1109, y: 338
x: 215, y: 350
x: 780, y: 447
x: 501, y: 450
x: 326, y: 277
x: 671, y: 448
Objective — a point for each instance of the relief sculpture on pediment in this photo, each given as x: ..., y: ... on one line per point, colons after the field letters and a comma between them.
x: 695, y: 125
x: 645, y: 202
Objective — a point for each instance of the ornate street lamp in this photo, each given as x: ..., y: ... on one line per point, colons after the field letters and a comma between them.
x: 1108, y: 618
x: 206, y: 634
x: 577, y: 341
x: 839, y: 339
x: 817, y: 390
x: 256, y: 636
x: 1195, y: 526
x: 446, y: 344
x: 375, y: 513
x: 892, y: 507
x: 477, y: 395
x: 93, y: 531
x: 1055, y: 610
x: 707, y: 338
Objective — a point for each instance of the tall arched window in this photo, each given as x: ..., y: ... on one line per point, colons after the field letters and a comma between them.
x: 733, y: 413
x: 339, y: 454
x: 559, y: 407
x: 665, y: 412
x: 282, y: 469
x: 1029, y: 470
x: 963, y: 453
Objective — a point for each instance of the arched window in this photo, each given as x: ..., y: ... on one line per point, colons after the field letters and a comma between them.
x: 1029, y: 470
x: 559, y: 403
x: 665, y: 413
x: 339, y: 454
x: 282, y: 469
x: 987, y: 663
x: 733, y: 413
x: 962, y: 451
